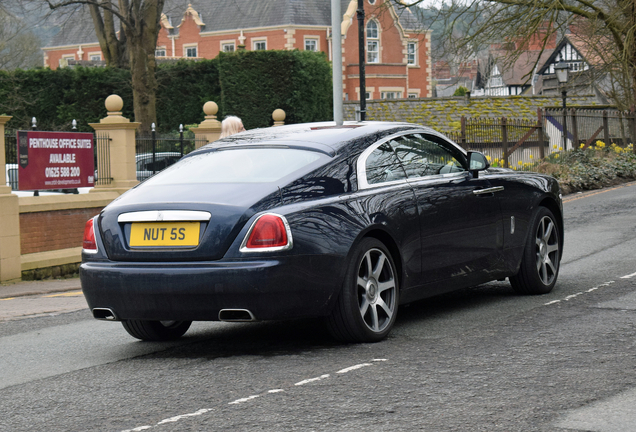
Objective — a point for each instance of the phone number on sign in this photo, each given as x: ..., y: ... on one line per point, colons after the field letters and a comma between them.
x: 54, y: 172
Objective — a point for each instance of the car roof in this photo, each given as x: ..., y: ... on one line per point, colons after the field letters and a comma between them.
x: 326, y: 137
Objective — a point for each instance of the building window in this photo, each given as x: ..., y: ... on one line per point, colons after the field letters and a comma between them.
x: 391, y: 95
x: 412, y: 95
x: 65, y: 58
x: 373, y: 43
x: 371, y: 2
x: 228, y: 47
x: 411, y: 53
x: 260, y: 45
x: 160, y: 52
x: 367, y: 95
x: 311, y: 44
x: 95, y: 57
x: 190, y: 51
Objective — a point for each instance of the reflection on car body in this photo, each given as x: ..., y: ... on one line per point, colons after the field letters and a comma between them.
x: 345, y: 222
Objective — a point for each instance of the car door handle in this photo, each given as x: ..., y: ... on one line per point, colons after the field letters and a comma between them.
x: 488, y: 190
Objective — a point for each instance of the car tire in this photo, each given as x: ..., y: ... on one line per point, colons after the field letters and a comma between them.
x: 156, y: 330
x: 368, y: 302
x: 541, y: 256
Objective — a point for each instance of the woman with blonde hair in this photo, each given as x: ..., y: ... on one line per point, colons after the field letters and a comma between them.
x: 231, y: 125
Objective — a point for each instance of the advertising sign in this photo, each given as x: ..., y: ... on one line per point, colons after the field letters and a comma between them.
x: 55, y: 160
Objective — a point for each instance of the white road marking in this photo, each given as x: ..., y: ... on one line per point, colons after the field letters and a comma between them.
x: 238, y: 401
x: 629, y: 276
x: 311, y: 380
x: 571, y: 296
x: 137, y: 429
x: 349, y: 369
x: 179, y: 417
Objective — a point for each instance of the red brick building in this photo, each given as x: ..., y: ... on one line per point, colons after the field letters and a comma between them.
x: 398, y: 61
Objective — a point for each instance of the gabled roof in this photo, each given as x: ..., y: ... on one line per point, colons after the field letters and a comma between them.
x: 220, y: 15
x: 578, y: 44
x: 522, y: 70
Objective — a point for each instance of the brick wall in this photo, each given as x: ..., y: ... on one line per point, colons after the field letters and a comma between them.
x: 52, y: 230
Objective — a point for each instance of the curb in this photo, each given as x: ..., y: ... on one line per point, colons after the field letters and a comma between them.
x: 22, y: 289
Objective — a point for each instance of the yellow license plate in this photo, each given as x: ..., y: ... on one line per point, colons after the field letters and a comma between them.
x: 165, y: 234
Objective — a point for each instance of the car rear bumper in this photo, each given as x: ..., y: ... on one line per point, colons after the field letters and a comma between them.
x: 282, y: 288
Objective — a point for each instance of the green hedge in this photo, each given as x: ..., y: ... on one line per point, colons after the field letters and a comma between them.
x: 255, y: 83
x: 56, y: 97
x: 249, y: 84
x: 183, y: 87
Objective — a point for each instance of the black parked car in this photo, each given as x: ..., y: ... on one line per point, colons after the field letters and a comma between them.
x: 345, y: 222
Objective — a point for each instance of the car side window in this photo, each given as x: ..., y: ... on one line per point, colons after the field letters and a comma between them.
x: 382, y: 166
x: 425, y: 155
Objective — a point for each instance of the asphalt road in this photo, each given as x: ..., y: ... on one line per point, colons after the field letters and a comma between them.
x: 482, y: 359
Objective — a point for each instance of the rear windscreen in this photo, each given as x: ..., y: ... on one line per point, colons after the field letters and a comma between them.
x: 242, y: 165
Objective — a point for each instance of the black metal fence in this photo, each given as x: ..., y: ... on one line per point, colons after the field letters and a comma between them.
x: 154, y: 153
x: 102, y: 159
x: 11, y: 158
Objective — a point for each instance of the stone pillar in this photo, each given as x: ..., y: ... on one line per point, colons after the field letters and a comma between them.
x: 10, y: 265
x: 279, y: 117
x: 121, y: 131
x: 210, y: 128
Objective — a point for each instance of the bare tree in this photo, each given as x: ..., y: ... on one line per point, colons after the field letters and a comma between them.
x: 132, y: 46
x: 607, y: 26
x: 19, y: 47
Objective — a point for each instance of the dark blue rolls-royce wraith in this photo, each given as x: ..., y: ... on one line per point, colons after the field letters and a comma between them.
x: 346, y: 222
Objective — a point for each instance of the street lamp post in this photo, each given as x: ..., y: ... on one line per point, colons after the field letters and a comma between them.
x: 561, y: 70
x: 363, y: 91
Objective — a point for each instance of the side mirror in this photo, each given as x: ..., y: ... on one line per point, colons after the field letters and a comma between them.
x: 477, y: 162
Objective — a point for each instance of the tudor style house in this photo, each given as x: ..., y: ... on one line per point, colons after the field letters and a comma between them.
x: 398, y: 62
x: 532, y: 72
x: 583, y: 80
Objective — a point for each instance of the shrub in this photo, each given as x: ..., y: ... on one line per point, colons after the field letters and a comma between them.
x: 460, y: 91
x: 593, y: 168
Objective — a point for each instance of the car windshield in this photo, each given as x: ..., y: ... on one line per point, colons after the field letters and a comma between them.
x: 241, y: 165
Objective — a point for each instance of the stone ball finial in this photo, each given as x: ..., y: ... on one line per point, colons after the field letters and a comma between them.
x: 278, y: 115
x: 114, y: 103
x: 210, y: 108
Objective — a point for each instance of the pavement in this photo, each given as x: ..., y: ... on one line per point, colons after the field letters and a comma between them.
x: 31, y: 288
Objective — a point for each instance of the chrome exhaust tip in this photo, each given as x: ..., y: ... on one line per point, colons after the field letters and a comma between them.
x: 236, y: 315
x: 104, y: 314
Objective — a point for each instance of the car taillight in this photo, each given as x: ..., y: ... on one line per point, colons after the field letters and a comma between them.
x: 89, y: 245
x: 268, y: 233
